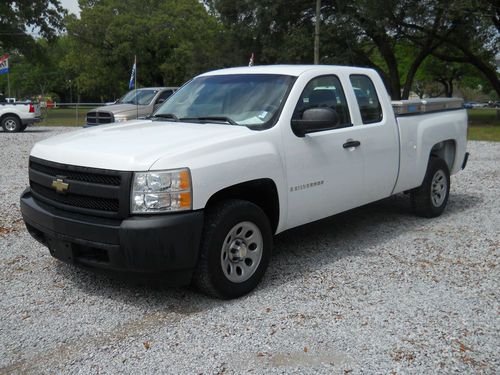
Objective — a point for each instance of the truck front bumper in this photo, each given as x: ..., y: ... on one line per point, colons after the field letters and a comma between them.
x: 165, y: 245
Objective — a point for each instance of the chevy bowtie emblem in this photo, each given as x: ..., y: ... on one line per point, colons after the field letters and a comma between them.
x: 60, y: 185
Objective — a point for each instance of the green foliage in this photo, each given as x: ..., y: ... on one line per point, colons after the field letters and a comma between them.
x: 430, y: 46
x: 484, y: 124
x: 173, y: 40
x: 18, y: 16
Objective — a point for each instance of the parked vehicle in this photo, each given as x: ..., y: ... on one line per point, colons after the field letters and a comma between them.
x: 235, y: 156
x: 16, y: 116
x: 135, y: 104
x: 492, y: 104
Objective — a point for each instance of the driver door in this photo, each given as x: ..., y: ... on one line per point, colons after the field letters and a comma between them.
x: 324, y: 176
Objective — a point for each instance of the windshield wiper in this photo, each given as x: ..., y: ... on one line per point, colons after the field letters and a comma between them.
x: 211, y: 118
x: 169, y: 116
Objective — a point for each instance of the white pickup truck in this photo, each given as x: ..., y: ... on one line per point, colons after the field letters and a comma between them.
x: 232, y: 158
x: 15, y: 117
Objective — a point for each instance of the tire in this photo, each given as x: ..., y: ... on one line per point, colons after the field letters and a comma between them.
x: 235, y: 249
x: 11, y: 124
x: 430, y: 199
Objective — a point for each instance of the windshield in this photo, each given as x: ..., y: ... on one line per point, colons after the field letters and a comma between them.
x: 237, y: 99
x: 141, y: 97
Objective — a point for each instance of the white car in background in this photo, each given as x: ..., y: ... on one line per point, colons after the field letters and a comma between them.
x: 15, y: 117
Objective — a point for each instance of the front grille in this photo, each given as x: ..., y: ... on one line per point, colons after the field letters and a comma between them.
x: 96, y: 117
x: 76, y: 176
x: 90, y: 191
x: 76, y: 200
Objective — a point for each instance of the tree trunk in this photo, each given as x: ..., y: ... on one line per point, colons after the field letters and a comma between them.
x: 488, y: 72
x: 449, y: 94
x: 410, y: 76
x: 469, y: 57
x: 387, y: 53
x: 316, y: 32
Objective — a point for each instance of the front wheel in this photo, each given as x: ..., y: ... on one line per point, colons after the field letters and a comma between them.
x: 11, y: 124
x: 235, y: 250
x: 430, y: 199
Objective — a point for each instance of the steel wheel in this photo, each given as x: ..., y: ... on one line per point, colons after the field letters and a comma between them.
x: 439, y: 188
x: 235, y: 249
x: 241, y: 252
x: 10, y: 125
x: 430, y: 199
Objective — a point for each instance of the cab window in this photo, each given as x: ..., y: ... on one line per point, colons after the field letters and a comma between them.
x: 324, y: 91
x: 164, y: 96
x: 366, y: 96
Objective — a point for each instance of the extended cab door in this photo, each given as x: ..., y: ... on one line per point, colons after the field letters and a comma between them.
x: 324, y: 177
x: 378, y: 136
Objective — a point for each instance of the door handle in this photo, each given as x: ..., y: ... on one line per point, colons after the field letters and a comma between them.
x: 352, y: 144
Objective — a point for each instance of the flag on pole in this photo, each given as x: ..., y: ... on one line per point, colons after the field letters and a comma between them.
x: 131, y: 83
x: 4, y: 64
x: 250, y: 63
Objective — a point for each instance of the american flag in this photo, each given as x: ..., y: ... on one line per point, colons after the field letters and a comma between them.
x: 131, y: 83
x: 4, y: 64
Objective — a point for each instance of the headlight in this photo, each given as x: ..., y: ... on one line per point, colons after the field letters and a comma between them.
x: 161, y: 191
x: 120, y: 119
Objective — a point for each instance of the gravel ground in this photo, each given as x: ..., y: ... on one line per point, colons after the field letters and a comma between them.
x: 374, y: 290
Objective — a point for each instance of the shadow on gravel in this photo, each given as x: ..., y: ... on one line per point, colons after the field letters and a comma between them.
x: 39, y: 130
x: 296, y: 251
x: 153, y: 294
x: 311, y: 246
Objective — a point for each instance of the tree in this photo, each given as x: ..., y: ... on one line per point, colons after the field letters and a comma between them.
x: 393, y: 36
x: 475, y: 36
x: 276, y: 31
x: 17, y: 17
x: 173, y: 41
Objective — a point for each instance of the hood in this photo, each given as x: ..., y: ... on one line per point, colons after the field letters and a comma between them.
x: 135, y: 145
x: 122, y: 109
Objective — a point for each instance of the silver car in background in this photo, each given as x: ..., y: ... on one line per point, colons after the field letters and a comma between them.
x: 136, y: 103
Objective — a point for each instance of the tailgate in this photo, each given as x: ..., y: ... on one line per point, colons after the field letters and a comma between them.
x: 38, y: 111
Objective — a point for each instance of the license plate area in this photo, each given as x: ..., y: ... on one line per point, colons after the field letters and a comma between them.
x: 61, y: 250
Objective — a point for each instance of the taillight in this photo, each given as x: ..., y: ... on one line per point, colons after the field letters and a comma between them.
x: 32, y: 108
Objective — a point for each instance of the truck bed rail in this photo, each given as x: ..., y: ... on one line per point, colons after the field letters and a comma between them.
x: 420, y: 106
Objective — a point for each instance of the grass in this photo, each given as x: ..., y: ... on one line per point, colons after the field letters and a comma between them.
x: 484, y: 123
x: 64, y: 117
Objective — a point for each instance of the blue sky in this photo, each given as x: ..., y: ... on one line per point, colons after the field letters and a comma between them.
x: 71, y: 5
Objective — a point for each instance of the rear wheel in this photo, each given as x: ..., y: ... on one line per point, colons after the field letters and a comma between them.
x: 11, y: 124
x: 430, y: 199
x: 235, y: 250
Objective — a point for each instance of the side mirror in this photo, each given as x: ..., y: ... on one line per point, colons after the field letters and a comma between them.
x: 315, y: 120
x: 160, y: 101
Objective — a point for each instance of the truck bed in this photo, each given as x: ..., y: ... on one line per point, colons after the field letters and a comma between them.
x: 420, y: 122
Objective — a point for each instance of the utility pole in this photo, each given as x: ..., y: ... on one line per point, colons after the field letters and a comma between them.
x: 316, y: 32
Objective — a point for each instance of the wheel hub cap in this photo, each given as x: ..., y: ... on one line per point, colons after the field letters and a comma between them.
x: 241, y: 252
x: 238, y: 250
x: 10, y: 125
x: 439, y: 188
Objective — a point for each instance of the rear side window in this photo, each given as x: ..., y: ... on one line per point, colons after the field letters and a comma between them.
x: 324, y: 91
x: 367, y: 98
x: 164, y: 96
